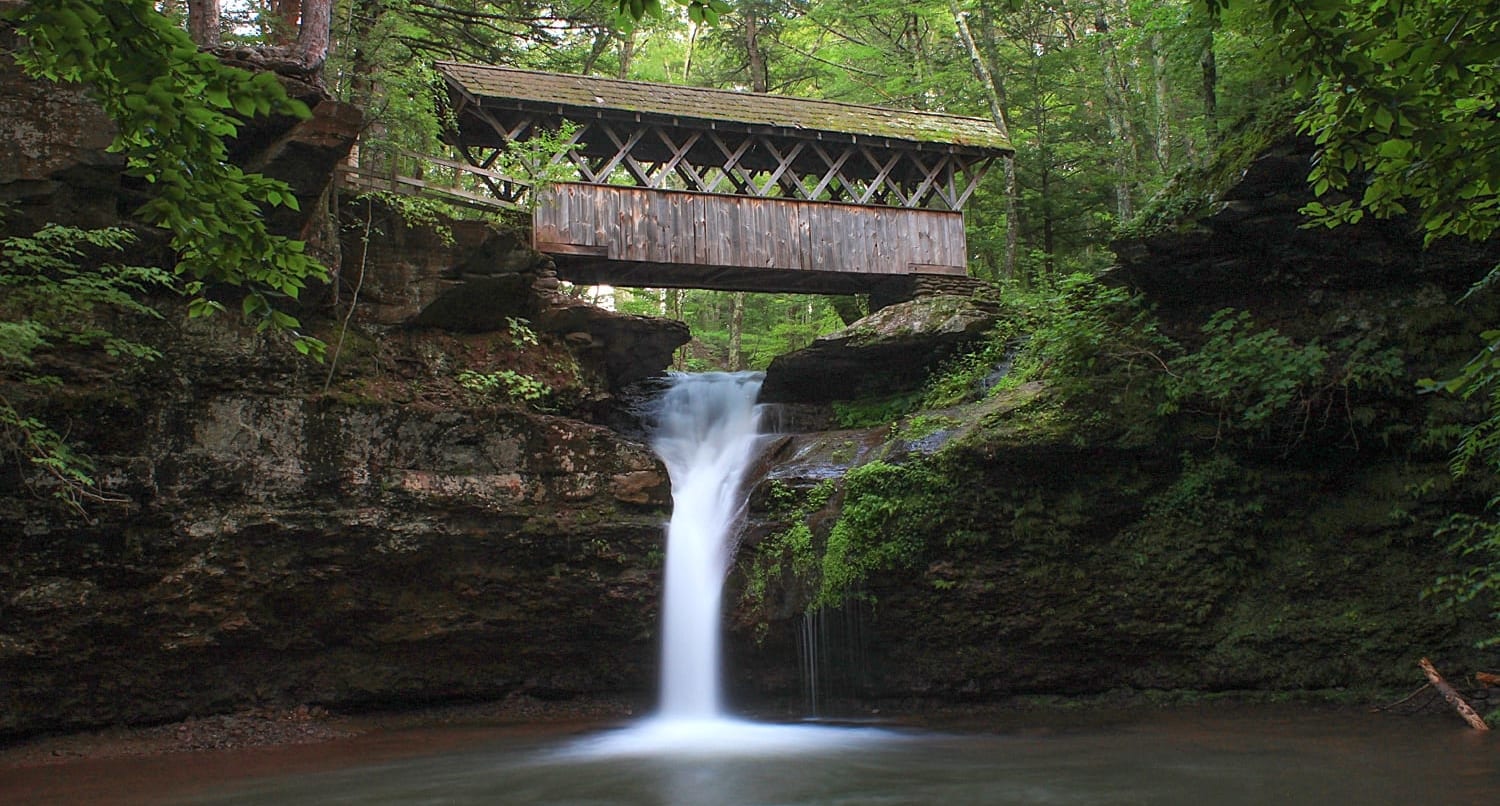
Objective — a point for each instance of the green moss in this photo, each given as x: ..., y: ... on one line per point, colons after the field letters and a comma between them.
x: 1192, y: 193
x: 921, y: 426
x: 881, y: 517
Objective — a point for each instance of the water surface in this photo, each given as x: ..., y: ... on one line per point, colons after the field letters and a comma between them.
x: 1266, y: 755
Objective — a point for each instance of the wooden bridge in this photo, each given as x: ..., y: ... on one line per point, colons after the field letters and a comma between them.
x: 669, y: 186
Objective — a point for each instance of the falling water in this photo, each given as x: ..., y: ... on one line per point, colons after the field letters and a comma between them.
x: 706, y: 435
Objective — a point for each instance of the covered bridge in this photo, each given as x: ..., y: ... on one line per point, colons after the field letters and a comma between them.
x: 675, y: 186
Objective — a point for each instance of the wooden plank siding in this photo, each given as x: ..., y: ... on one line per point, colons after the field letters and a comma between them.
x: 629, y: 236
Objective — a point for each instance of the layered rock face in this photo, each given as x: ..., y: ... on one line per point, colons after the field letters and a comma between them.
x: 298, y: 548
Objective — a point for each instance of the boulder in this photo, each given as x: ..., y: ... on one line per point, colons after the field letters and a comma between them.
x: 626, y: 347
x: 889, y: 351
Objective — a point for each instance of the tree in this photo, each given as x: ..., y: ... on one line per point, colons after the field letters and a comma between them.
x: 986, y: 68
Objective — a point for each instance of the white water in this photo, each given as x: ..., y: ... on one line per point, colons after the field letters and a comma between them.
x: 707, y: 434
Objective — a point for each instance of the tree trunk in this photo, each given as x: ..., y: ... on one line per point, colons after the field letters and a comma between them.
x: 736, y: 331
x: 313, y: 37
x: 1462, y: 707
x: 1120, y: 130
x: 363, y: 69
x: 285, y: 17
x: 1163, y: 104
x: 692, y: 47
x: 602, y: 38
x: 1210, y: 67
x: 760, y: 80
x: 627, y: 54
x: 203, y: 22
x: 995, y: 93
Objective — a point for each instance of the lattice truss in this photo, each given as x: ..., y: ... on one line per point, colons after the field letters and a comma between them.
x: 731, y: 160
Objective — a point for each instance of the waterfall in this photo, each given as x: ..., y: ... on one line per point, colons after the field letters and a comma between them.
x: 707, y: 428
x: 706, y: 432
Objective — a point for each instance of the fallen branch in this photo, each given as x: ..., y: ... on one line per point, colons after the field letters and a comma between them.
x: 1464, y: 710
x: 1403, y: 700
x: 1487, y: 679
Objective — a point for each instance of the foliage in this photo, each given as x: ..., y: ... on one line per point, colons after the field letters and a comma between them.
x: 1244, y: 375
x: 887, y: 513
x: 518, y: 387
x: 964, y: 376
x: 521, y: 334
x: 790, y: 554
x: 1401, y: 101
x: 1078, y: 329
x: 1475, y: 542
x: 1254, y: 379
x: 1211, y: 493
x: 771, y: 324
x: 58, y: 296
x: 175, y: 107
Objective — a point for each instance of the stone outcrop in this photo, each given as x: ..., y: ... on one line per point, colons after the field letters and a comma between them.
x: 1250, y: 242
x: 54, y: 166
x: 889, y: 351
x: 478, y: 279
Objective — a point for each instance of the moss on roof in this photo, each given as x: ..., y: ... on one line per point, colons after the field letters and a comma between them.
x: 699, y: 103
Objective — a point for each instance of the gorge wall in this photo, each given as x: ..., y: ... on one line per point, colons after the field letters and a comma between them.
x: 372, y: 532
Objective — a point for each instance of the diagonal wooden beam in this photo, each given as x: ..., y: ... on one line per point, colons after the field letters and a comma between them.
x: 783, y: 162
x: 834, y: 166
x: 678, y: 159
x: 622, y: 154
x: 976, y: 171
x: 730, y: 168
x: 930, y: 176
x: 880, y: 186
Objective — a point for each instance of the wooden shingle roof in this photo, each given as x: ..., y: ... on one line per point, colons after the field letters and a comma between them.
x: 563, y: 92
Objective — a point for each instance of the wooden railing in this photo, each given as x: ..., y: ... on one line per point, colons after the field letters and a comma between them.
x: 413, y: 174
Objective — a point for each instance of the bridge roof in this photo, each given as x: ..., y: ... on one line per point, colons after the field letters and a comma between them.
x: 593, y: 96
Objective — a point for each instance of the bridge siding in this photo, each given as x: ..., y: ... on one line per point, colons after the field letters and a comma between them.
x: 670, y: 227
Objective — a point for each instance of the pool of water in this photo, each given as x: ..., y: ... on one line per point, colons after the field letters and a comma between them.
x: 1197, y: 756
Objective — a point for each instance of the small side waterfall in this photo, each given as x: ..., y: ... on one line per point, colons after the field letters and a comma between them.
x: 706, y: 435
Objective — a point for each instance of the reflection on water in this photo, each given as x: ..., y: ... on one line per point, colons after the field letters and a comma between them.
x: 1162, y: 758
